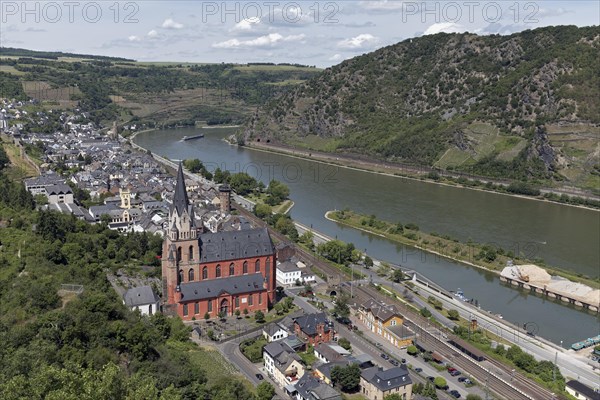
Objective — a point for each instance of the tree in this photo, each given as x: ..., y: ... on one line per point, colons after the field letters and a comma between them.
x: 285, y: 225
x: 412, y: 350
x: 307, y: 239
x: 259, y: 316
x: 345, y: 343
x: 263, y: 211
x: 245, y: 312
x: 346, y: 378
x: 278, y: 308
x: 193, y: 166
x: 397, y: 275
x: 440, y: 382
x: 453, y: 314
x: 472, y: 396
x: 277, y: 192
x: 368, y: 262
x: 341, y: 308
x: 206, y: 316
x: 242, y: 183
x: 265, y: 391
x: 222, y: 315
x: 394, y: 396
x: 221, y: 176
x: 237, y: 313
x: 425, y: 312
x: 211, y: 334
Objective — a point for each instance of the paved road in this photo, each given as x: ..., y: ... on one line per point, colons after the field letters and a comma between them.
x: 231, y: 352
x: 360, y: 345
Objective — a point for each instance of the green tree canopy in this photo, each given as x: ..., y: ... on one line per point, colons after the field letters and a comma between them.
x: 346, y: 378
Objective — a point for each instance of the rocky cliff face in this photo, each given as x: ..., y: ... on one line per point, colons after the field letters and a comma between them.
x: 412, y: 101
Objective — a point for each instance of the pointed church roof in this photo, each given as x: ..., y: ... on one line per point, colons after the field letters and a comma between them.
x: 180, y: 199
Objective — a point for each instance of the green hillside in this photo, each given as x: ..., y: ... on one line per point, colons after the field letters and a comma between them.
x: 165, y: 94
x: 524, y: 106
x: 56, y: 343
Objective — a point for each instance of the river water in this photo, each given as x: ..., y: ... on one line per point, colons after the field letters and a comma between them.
x: 564, y: 236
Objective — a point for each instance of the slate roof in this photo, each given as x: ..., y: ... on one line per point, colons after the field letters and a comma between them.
x: 214, y: 287
x: 308, y: 323
x: 233, y: 245
x: 273, y: 328
x: 44, y: 180
x: 381, y: 310
x: 331, y: 354
x: 387, y: 379
x: 180, y: 199
x: 139, y: 296
x: 288, y: 266
x: 58, y: 189
x: 584, y: 390
x: 310, y: 387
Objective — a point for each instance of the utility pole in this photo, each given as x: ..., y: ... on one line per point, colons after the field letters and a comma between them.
x: 555, y: 366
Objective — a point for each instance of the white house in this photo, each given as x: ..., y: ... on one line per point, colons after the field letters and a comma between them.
x: 581, y: 391
x: 288, y: 273
x: 282, y: 363
x: 142, y: 298
x: 274, y: 331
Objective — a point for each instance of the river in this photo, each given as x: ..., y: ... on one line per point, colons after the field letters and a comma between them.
x: 564, y: 236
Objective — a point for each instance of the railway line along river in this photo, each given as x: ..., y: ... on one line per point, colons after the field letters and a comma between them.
x: 563, y: 236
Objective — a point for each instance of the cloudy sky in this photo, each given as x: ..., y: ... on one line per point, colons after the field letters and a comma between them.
x: 319, y: 33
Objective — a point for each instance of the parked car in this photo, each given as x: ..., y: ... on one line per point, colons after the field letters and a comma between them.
x: 454, y: 393
x: 385, y: 356
x: 403, y: 361
x: 394, y: 362
x: 455, y: 373
x: 430, y: 378
x: 260, y: 377
x: 467, y: 381
x: 379, y: 345
x: 451, y: 369
x: 418, y: 370
x: 462, y: 379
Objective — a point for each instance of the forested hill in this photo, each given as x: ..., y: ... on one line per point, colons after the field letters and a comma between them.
x: 53, y: 55
x: 55, y: 344
x: 521, y: 106
x: 152, y: 94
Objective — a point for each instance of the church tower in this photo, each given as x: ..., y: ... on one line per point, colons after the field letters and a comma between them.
x: 180, y: 247
x: 125, y: 198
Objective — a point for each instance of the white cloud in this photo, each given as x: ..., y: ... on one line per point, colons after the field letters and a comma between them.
x: 134, y: 38
x: 262, y: 41
x: 335, y: 57
x: 153, y: 33
x: 245, y: 25
x: 446, y: 27
x: 171, y: 24
x: 361, y: 41
x: 382, y: 5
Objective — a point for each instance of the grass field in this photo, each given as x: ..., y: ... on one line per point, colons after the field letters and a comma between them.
x: 484, y: 139
x: 315, y: 142
x: 20, y: 168
x: 578, y: 145
x: 273, y: 68
x: 10, y: 70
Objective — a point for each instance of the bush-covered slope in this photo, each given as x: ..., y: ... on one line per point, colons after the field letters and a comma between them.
x: 487, y: 100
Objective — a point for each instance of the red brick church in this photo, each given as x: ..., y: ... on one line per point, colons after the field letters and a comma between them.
x: 213, y: 272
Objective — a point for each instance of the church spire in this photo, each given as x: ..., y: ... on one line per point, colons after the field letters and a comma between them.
x: 180, y: 199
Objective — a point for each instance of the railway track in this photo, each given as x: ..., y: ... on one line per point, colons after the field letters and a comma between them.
x: 514, y: 387
x: 500, y: 379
